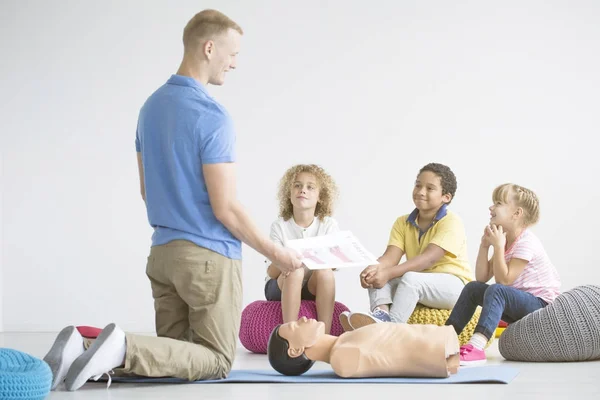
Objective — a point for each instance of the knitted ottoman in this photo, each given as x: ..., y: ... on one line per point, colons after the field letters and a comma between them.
x: 23, y: 376
x: 501, y: 327
x: 426, y: 315
x: 261, y: 317
x: 568, y: 329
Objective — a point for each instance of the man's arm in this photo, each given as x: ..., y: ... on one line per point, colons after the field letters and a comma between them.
x: 221, y: 185
x: 277, y: 237
x: 141, y: 171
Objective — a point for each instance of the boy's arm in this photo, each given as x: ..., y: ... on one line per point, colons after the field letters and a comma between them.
x: 449, y: 239
x: 392, y: 256
x: 432, y: 254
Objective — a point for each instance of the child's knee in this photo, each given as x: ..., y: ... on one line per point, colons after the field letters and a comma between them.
x: 294, y: 277
x: 471, y: 286
x: 495, y: 289
x: 324, y: 276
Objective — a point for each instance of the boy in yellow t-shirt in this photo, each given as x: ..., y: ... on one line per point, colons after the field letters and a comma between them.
x: 436, y: 268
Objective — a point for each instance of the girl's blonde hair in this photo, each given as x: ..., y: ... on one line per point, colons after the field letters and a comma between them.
x: 522, y: 197
x: 328, y: 191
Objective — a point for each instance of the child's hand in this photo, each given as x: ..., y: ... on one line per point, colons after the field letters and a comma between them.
x: 485, y: 239
x: 363, y: 274
x: 376, y: 276
x: 497, y: 236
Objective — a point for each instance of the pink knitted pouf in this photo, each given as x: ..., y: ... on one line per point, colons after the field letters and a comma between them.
x: 261, y: 317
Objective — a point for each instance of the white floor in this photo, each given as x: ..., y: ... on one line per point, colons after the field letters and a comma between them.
x: 535, y: 381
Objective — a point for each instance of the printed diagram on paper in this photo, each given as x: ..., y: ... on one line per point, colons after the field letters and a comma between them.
x: 337, y: 250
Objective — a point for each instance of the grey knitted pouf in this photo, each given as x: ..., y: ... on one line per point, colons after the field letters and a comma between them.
x: 566, y: 330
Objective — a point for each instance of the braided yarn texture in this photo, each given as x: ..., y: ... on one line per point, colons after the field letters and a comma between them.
x: 433, y: 316
x: 568, y: 329
x: 259, y: 318
x: 23, y: 376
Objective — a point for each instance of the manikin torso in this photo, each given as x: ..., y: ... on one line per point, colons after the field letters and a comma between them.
x: 389, y: 349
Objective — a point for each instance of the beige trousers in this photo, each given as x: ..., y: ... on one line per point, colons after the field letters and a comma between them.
x: 197, y: 301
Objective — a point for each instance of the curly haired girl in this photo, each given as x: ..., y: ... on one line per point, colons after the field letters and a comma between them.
x: 306, y: 198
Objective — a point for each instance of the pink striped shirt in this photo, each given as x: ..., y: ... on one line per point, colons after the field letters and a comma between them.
x: 540, y: 277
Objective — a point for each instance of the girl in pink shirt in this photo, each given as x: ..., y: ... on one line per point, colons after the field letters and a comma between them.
x: 526, y: 279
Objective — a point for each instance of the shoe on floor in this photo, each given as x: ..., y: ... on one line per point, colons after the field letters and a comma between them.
x: 471, y: 356
x: 359, y: 319
x: 67, y: 346
x: 345, y: 321
x: 104, y: 355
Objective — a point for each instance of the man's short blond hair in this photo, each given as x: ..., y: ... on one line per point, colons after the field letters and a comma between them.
x: 206, y: 25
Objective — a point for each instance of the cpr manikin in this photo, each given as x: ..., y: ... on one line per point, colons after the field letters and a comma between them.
x: 376, y: 350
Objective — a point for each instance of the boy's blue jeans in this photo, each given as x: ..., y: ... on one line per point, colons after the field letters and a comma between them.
x: 498, y: 302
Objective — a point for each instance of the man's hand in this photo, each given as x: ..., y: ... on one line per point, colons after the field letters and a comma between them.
x: 287, y: 260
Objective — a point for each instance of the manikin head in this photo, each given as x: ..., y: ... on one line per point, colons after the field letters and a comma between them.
x: 288, y: 342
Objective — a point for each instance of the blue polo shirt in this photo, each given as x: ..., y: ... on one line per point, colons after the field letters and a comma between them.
x: 180, y: 128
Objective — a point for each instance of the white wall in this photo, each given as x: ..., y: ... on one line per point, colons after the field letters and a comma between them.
x: 1, y: 227
x: 498, y: 91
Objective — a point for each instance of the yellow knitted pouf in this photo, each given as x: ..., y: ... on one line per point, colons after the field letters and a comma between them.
x: 425, y: 315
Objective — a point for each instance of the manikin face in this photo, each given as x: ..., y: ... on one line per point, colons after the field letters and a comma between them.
x: 301, y: 334
x: 222, y: 54
x: 304, y: 193
x: 427, y: 194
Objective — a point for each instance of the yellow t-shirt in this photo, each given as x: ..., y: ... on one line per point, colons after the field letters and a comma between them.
x: 447, y: 233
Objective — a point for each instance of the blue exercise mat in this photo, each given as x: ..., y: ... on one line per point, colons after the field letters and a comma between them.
x: 486, y: 374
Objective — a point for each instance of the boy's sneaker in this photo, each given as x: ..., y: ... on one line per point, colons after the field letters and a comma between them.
x: 471, y: 356
x: 345, y: 321
x: 358, y: 320
x: 67, y: 346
